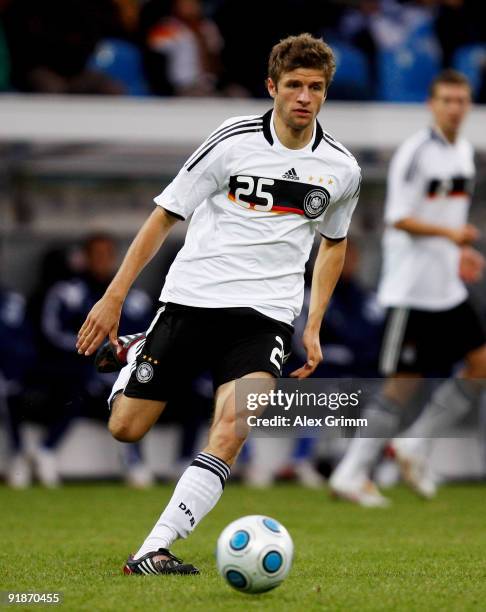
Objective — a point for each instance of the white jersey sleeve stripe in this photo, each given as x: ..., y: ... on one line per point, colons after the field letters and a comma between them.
x: 411, y: 170
x: 210, y: 148
x: 337, y: 145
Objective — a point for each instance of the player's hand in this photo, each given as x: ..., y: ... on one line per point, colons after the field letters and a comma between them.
x: 464, y: 235
x: 312, y: 344
x: 102, y: 321
x: 471, y: 265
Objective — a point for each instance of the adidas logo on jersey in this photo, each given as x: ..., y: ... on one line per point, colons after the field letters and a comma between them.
x: 291, y: 174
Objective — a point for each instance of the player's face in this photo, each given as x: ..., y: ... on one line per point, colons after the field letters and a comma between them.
x: 450, y: 105
x: 299, y: 95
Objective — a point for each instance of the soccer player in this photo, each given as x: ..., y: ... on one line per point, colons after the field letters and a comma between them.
x: 259, y: 188
x: 431, y: 325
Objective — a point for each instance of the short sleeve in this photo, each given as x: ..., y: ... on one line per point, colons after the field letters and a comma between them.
x: 337, y: 218
x: 405, y: 183
x: 203, y: 174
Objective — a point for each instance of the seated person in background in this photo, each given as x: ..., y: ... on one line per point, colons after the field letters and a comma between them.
x: 64, y: 383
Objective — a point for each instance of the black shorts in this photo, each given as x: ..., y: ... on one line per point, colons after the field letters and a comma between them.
x: 184, y: 341
x: 429, y: 342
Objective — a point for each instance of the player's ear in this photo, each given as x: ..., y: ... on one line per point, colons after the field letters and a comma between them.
x: 271, y: 87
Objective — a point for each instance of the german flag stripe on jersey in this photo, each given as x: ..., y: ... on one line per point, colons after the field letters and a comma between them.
x: 286, y: 196
x: 457, y: 186
x: 275, y: 209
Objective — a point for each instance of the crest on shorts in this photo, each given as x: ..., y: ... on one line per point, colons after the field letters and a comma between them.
x: 315, y: 202
x: 145, y: 372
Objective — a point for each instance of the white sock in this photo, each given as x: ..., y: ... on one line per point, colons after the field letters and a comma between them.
x: 196, y: 493
x: 449, y: 403
x: 383, y: 418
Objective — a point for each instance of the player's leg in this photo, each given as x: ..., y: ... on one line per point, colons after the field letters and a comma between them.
x: 451, y: 400
x: 351, y: 478
x: 475, y: 366
x: 201, y: 485
x: 142, y: 388
x: 244, y: 345
x: 228, y: 433
x: 132, y: 418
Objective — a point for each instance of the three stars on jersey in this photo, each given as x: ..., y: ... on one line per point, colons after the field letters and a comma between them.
x: 292, y: 176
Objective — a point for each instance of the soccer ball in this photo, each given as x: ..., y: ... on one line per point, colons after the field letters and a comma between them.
x: 254, y: 554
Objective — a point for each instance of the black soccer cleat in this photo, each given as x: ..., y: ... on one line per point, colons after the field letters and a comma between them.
x: 110, y: 359
x: 146, y: 566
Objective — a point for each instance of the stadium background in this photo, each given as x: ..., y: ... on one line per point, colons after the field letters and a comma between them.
x: 103, y: 100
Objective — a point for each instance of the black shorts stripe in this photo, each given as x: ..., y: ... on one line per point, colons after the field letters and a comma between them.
x: 235, y: 126
x: 160, y: 310
x: 209, y: 149
x: 430, y: 342
x: 139, y: 348
x: 393, y: 340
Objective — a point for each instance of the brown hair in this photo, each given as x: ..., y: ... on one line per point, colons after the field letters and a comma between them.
x: 448, y: 77
x: 303, y: 51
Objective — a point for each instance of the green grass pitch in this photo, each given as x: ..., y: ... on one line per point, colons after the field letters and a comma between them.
x: 413, y: 556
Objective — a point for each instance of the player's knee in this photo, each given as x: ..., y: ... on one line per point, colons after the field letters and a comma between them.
x: 124, y: 430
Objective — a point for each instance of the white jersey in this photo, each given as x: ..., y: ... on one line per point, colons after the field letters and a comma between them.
x: 256, y: 207
x: 430, y: 179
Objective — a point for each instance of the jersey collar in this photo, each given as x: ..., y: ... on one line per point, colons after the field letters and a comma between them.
x: 271, y: 136
x: 437, y: 135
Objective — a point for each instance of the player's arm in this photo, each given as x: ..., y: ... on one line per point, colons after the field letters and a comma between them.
x: 104, y: 317
x: 406, y: 189
x: 460, y: 236
x: 201, y: 176
x: 327, y: 269
x: 471, y: 265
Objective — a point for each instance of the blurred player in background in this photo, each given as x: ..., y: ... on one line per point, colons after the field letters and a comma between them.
x: 259, y: 188
x: 431, y: 324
